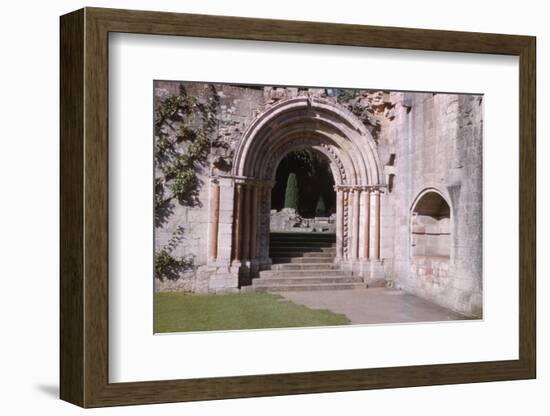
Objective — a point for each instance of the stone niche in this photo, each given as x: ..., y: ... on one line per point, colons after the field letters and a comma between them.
x: 430, y: 227
x: 431, y: 243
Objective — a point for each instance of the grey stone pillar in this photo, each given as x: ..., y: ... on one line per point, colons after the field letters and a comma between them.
x: 255, y: 193
x: 356, y: 195
x: 246, y: 222
x: 237, y: 229
x: 366, y: 223
x: 374, y: 248
x: 226, y: 221
x: 339, y: 223
x: 345, y: 226
x: 214, y: 220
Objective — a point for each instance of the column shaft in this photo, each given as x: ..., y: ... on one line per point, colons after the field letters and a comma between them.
x: 265, y: 207
x: 375, y: 225
x: 356, y: 194
x: 237, y: 230
x: 345, y: 227
x: 340, y: 223
x: 366, y: 223
x: 256, y: 192
x: 214, y: 219
x: 247, y: 217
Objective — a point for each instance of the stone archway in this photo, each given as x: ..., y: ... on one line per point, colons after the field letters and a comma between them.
x: 320, y: 124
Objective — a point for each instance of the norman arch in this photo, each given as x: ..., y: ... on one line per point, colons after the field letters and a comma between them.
x: 326, y: 127
x: 303, y: 118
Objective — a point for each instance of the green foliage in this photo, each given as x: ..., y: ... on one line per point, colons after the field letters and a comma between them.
x: 320, y: 209
x: 308, y: 159
x: 159, y: 194
x: 183, y: 125
x: 292, y: 196
x: 168, y: 266
x: 184, y: 182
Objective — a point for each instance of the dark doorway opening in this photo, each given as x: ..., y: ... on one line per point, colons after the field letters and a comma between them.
x: 314, y: 179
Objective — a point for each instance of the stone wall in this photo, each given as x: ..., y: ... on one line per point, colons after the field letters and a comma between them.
x: 437, y: 141
x: 237, y: 106
x: 424, y: 141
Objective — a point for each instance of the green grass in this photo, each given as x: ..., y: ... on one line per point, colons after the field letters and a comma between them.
x: 180, y: 312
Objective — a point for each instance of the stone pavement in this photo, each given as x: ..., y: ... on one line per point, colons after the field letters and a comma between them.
x: 374, y: 305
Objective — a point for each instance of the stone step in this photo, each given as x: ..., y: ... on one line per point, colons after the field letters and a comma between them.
x: 322, y: 260
x: 304, y: 266
x: 302, y: 243
x: 307, y: 236
x: 303, y: 248
x: 302, y: 255
x: 324, y: 254
x: 304, y: 287
x: 294, y: 252
x: 304, y: 273
x: 310, y: 235
x: 274, y: 281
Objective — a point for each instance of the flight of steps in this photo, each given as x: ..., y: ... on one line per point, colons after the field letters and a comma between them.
x: 304, y: 261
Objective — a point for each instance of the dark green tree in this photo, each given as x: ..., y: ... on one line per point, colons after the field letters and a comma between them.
x: 320, y: 209
x: 291, y: 193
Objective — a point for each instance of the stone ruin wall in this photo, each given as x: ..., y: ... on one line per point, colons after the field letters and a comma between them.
x: 424, y: 140
x: 437, y: 140
x: 237, y: 107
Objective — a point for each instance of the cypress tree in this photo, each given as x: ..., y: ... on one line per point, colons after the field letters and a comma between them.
x: 320, y: 209
x: 291, y: 193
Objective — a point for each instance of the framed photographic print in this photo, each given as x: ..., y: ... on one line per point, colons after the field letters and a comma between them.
x: 256, y: 207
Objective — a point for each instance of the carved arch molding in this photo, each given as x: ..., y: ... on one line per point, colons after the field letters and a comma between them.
x: 298, y: 123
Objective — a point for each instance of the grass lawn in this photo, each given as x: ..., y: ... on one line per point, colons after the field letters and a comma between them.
x: 180, y: 312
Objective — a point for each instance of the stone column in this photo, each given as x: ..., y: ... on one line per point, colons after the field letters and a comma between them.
x: 237, y: 230
x: 375, y: 225
x: 339, y: 223
x: 246, y: 222
x: 226, y: 221
x: 264, y: 207
x: 356, y: 195
x: 214, y: 219
x: 366, y: 223
x: 345, y: 226
x: 256, y: 192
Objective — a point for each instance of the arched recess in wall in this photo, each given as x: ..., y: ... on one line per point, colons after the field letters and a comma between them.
x: 430, y: 229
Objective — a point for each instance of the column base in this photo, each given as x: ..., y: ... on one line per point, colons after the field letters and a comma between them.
x: 223, y: 278
x: 374, y: 274
x: 248, y: 270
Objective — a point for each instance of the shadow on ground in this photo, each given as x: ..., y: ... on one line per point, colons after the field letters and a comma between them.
x: 49, y: 390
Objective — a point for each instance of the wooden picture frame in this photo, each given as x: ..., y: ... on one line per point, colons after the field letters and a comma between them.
x: 84, y: 207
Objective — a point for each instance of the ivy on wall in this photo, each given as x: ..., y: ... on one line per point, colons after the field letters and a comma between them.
x: 168, y: 266
x: 183, y: 126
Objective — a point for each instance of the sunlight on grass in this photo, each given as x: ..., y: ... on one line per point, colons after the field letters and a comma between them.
x: 181, y: 312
